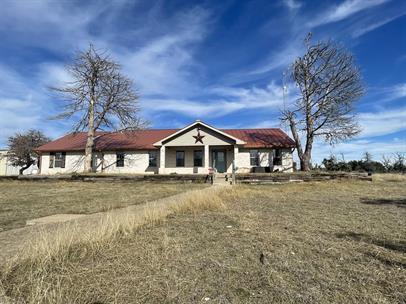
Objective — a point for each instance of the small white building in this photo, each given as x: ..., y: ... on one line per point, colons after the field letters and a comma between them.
x: 190, y: 150
x: 7, y: 169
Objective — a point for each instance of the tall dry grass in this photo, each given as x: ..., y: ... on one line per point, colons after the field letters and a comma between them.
x: 320, y: 242
x: 389, y: 177
x: 52, y: 252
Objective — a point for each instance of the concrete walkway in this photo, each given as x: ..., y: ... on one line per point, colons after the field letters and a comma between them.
x: 17, y: 241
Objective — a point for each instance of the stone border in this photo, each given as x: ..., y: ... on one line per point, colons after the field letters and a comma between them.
x: 248, y: 178
x: 179, y: 178
x: 263, y: 178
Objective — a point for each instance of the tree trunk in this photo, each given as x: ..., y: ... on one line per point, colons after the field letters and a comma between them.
x: 305, y: 158
x: 90, y: 140
x: 304, y: 164
x: 20, y: 172
x: 89, y: 151
x: 22, y: 169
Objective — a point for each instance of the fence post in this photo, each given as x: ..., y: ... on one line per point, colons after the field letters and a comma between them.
x: 233, y: 174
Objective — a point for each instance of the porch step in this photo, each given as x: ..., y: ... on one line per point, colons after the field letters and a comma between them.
x: 220, y: 179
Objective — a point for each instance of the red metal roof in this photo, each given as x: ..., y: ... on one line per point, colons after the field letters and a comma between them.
x: 144, y: 139
x: 262, y: 138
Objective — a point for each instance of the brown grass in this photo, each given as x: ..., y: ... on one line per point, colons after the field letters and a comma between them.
x: 389, y: 177
x: 20, y: 201
x: 54, y: 249
x: 327, y: 242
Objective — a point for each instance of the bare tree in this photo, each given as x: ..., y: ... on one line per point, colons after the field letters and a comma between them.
x: 387, y: 162
x: 367, y: 157
x: 22, y: 148
x: 99, y: 97
x: 399, y: 164
x: 329, y: 83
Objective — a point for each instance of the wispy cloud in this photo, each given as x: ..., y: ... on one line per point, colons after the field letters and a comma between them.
x: 62, y: 21
x: 165, y: 64
x: 356, y: 148
x: 383, y: 122
x: 280, y: 58
x: 397, y: 91
x: 362, y: 30
x: 161, y: 61
x: 389, y: 93
x: 343, y: 11
x: 227, y: 100
x: 292, y: 4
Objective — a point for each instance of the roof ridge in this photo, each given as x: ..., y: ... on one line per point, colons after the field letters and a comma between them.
x: 250, y: 128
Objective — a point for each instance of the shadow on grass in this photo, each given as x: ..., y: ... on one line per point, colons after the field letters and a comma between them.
x: 386, y: 261
x: 360, y: 237
x: 381, y: 201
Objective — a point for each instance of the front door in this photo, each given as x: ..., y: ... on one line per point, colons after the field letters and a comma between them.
x: 219, y: 160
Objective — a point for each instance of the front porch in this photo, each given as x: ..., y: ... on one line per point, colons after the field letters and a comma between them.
x: 196, y: 159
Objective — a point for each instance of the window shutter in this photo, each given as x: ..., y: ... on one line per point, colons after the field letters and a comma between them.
x: 63, y: 159
x: 51, y: 159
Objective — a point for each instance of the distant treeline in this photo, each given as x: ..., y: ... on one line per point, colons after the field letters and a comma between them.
x: 394, y: 163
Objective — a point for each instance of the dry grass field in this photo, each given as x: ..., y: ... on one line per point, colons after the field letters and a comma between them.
x: 20, y: 201
x: 325, y: 242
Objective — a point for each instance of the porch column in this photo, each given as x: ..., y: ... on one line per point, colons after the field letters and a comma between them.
x: 206, y: 157
x: 235, y: 155
x: 162, y: 160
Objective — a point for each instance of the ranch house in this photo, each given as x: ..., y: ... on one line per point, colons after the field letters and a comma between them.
x: 193, y: 149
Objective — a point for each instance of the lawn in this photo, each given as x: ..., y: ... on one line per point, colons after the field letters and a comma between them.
x: 20, y: 201
x: 325, y: 242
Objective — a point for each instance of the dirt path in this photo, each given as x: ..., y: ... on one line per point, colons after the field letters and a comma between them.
x: 17, y: 241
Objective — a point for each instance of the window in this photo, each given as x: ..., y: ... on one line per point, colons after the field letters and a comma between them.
x: 180, y: 158
x: 198, y: 158
x: 120, y: 159
x: 254, y: 158
x: 277, y: 157
x: 94, y: 161
x: 57, y: 160
x: 51, y: 160
x: 152, y: 158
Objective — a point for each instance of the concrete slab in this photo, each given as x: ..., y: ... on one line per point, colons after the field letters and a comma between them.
x: 56, y: 218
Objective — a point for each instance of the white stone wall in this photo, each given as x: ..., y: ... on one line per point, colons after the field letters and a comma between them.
x: 170, y: 161
x: 266, y: 159
x: 134, y: 162
x: 287, y: 161
x: 74, y: 162
x: 137, y: 162
x: 6, y: 168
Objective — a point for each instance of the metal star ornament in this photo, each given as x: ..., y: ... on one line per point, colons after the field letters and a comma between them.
x: 198, y: 137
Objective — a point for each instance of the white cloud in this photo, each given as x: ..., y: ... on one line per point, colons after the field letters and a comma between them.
x: 19, y: 104
x: 160, y: 59
x: 356, y: 148
x: 281, y: 58
x: 165, y: 65
x: 383, y: 123
x: 292, y: 4
x: 227, y: 100
x: 343, y: 11
x: 397, y: 91
x: 61, y: 26
x: 366, y: 28
x: 382, y: 95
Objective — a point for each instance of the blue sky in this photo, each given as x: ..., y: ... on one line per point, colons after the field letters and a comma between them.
x: 219, y: 61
